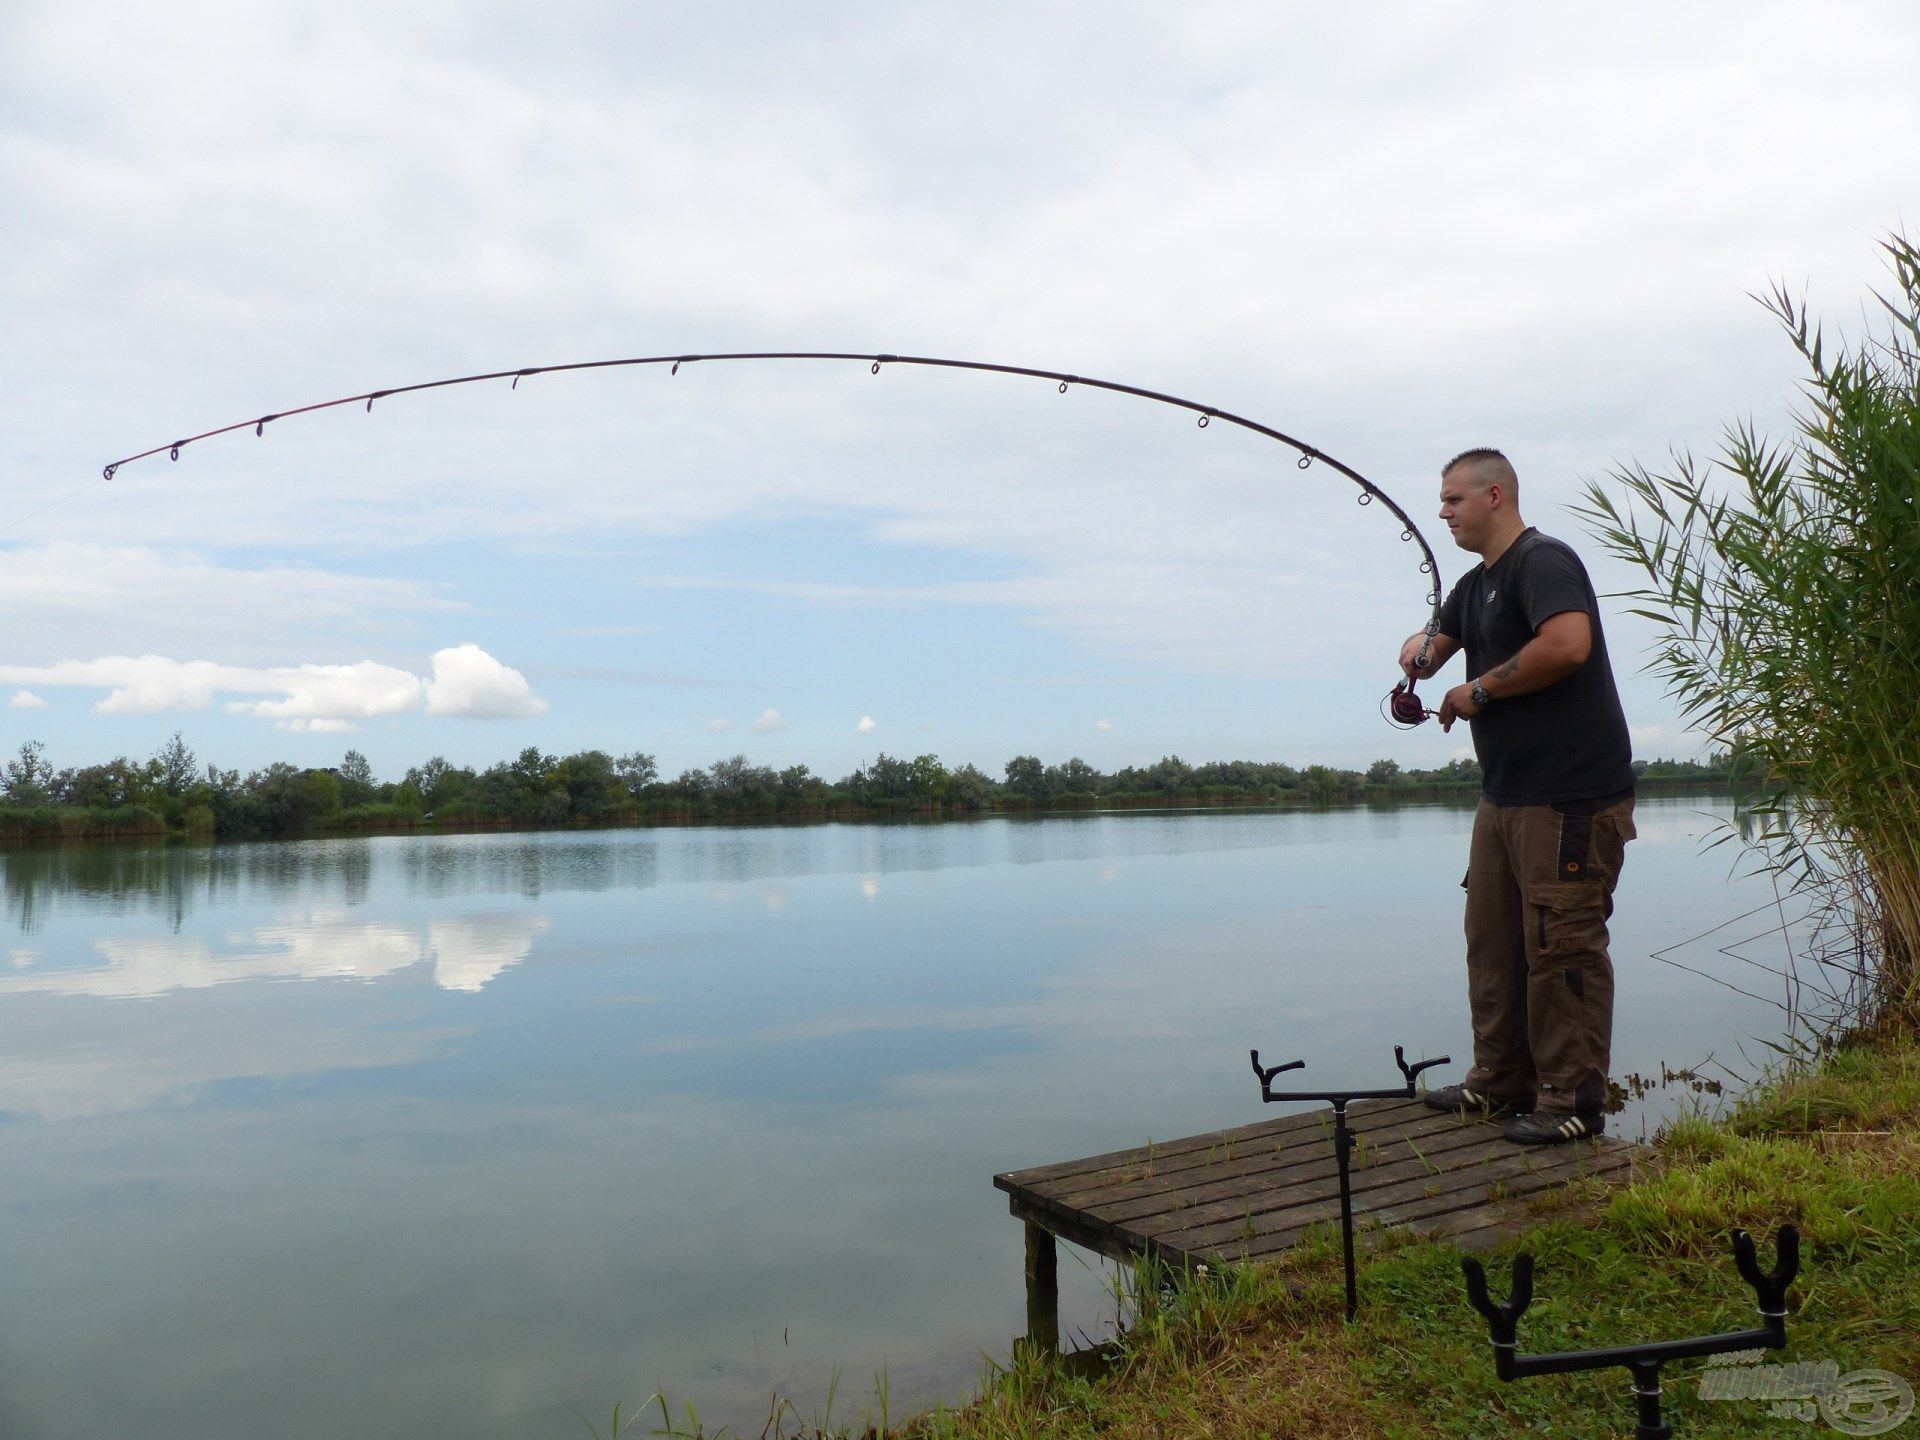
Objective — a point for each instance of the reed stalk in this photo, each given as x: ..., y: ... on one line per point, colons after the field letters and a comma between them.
x: 1784, y: 580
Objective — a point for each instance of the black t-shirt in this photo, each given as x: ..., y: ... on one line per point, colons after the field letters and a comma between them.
x: 1569, y: 740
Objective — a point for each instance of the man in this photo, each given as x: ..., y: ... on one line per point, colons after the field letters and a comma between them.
x: 1556, y: 810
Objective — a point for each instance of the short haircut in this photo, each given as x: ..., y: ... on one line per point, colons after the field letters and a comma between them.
x: 1486, y: 466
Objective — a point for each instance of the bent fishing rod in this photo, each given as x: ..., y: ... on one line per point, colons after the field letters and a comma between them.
x: 1404, y: 707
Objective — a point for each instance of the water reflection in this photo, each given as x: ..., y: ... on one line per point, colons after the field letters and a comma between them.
x: 551, y: 1120
x: 465, y: 952
x: 169, y: 882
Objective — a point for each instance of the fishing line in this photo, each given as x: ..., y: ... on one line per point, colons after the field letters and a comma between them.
x: 1406, y: 709
x: 21, y: 520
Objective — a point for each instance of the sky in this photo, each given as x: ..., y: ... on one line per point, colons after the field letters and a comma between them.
x: 1393, y: 230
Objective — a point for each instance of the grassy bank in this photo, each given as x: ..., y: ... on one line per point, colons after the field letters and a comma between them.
x: 1835, y: 1150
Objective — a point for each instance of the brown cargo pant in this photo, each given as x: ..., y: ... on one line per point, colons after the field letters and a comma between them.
x: 1539, y: 889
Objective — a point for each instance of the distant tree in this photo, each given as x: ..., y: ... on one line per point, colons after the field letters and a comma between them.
x: 593, y: 785
x: 1076, y: 777
x: 968, y: 788
x: 927, y: 779
x: 693, y: 784
x: 285, y: 797
x: 636, y: 772
x: 1027, y: 777
x: 434, y: 782
x: 323, y: 792
x: 1385, y: 772
x: 29, y: 776
x: 357, y: 785
x: 118, y: 782
x: 1326, y: 784
x: 531, y: 766
x: 176, y: 767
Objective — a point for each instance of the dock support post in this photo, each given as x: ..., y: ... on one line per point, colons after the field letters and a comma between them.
x: 1043, y: 1289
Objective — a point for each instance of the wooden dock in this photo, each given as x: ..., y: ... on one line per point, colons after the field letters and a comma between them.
x: 1253, y: 1191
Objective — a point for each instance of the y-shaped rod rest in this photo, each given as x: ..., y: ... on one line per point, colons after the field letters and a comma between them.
x: 1644, y: 1361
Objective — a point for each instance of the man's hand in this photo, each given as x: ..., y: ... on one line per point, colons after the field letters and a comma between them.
x: 1457, y: 705
x: 1443, y: 648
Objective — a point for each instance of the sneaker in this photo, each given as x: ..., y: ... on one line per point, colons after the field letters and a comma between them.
x: 1474, y: 1102
x: 1548, y: 1127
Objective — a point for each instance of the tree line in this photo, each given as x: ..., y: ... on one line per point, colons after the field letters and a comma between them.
x: 173, y: 792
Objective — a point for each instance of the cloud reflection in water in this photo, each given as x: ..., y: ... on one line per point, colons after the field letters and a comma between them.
x: 465, y: 951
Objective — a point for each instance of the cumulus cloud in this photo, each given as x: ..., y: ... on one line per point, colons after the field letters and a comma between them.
x: 716, y: 725
x: 336, y: 692
x: 327, y: 698
x: 866, y: 726
x: 1103, y: 726
x: 26, y: 700
x: 768, y: 722
x: 470, y: 683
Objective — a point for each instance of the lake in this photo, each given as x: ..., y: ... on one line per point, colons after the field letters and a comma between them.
x: 443, y: 1135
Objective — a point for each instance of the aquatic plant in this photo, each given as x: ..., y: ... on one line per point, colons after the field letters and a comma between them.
x: 1784, y: 579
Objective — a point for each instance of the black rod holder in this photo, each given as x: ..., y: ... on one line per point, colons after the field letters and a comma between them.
x: 1343, y: 1135
x: 1642, y: 1361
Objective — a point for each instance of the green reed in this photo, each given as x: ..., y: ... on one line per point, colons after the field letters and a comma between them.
x: 1784, y: 578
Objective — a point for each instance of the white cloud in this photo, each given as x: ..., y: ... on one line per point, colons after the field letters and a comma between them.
x: 718, y: 725
x: 26, y: 700
x: 337, y: 692
x: 327, y: 698
x: 866, y: 726
x: 768, y: 722
x: 470, y: 683
x: 1103, y: 726
x: 318, y: 727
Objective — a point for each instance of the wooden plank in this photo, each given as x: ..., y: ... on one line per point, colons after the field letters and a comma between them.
x: 1409, y: 1209
x: 1305, y: 1149
x: 1170, y: 1151
x: 1069, y: 1227
x: 1294, y: 1208
x: 1511, y: 1217
x: 1268, y: 1206
x: 1301, y: 1164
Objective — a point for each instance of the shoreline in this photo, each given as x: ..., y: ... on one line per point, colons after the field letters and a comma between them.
x: 46, y: 825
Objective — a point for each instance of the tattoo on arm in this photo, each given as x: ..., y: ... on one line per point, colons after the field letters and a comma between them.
x: 1512, y: 667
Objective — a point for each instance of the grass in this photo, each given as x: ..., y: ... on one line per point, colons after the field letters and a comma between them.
x: 1263, y: 1351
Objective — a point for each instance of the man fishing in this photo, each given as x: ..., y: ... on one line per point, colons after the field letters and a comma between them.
x: 1556, y: 810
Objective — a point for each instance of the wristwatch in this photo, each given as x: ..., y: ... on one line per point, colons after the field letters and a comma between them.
x: 1481, y: 699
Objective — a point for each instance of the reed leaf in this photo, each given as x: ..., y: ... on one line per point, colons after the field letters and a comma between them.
x: 1783, y: 579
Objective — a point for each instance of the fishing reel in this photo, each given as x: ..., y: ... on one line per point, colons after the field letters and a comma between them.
x: 1404, y: 709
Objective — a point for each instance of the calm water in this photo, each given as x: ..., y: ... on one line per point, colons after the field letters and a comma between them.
x: 441, y: 1136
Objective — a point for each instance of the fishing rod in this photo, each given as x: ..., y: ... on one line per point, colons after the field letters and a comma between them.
x: 1404, y: 706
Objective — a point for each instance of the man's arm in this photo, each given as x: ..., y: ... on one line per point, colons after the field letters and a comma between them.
x: 1559, y: 647
x: 1443, y: 648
